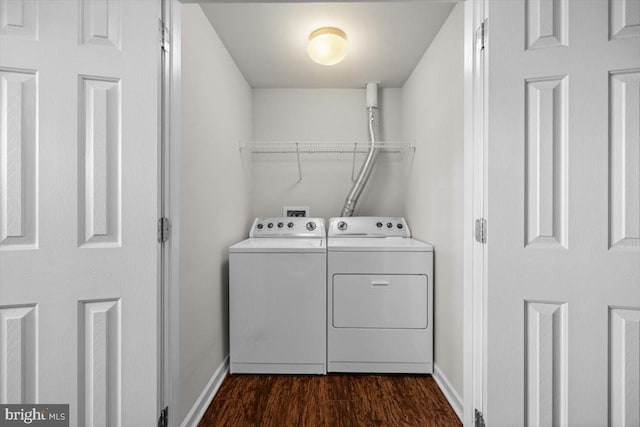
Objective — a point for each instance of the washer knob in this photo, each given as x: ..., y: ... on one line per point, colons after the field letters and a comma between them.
x: 400, y: 226
x: 290, y: 225
x: 342, y: 225
x: 379, y: 224
x: 389, y: 225
x: 280, y: 225
x: 311, y: 226
x: 270, y: 225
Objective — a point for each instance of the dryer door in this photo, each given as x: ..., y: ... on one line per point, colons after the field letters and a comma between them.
x: 397, y: 301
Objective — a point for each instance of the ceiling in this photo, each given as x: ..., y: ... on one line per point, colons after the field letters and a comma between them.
x: 268, y: 41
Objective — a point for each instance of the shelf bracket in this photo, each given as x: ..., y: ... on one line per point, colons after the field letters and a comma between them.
x: 353, y: 162
x: 299, y: 166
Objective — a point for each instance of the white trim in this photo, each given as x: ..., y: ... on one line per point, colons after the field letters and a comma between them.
x: 467, y: 282
x: 449, y: 392
x: 474, y: 184
x: 204, y: 400
x: 172, y: 202
x: 481, y: 283
x: 163, y: 312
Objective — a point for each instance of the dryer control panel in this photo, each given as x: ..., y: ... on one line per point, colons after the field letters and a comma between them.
x: 288, y: 227
x: 368, y: 226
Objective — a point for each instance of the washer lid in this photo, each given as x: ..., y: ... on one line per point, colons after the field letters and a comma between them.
x: 382, y: 244
x: 280, y: 245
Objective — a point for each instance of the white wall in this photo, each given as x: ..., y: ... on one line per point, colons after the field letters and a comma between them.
x: 432, y: 108
x: 218, y: 186
x: 216, y: 112
x: 324, y: 115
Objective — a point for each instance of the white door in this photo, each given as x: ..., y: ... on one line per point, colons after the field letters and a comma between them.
x: 79, y: 292
x: 563, y: 338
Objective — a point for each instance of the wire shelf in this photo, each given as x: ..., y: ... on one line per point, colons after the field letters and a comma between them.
x: 323, y: 149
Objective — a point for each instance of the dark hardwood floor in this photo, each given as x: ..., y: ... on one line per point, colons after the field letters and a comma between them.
x: 331, y: 400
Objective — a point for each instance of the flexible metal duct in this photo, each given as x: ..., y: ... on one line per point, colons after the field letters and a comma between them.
x: 365, y: 171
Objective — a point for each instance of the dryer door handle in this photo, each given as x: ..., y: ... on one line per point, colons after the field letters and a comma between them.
x: 380, y: 283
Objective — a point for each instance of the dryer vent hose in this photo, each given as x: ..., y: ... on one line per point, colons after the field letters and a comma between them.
x: 365, y: 171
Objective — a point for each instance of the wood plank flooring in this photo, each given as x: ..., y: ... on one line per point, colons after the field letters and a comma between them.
x: 329, y: 400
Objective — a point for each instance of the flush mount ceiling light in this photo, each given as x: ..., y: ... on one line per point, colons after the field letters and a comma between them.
x: 327, y: 45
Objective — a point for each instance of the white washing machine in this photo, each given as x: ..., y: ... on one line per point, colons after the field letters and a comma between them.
x: 379, y: 297
x: 277, y: 298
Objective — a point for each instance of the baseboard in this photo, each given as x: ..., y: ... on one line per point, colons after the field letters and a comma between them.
x: 448, y: 391
x: 202, y: 403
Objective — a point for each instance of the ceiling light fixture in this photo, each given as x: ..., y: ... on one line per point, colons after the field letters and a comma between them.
x: 327, y: 45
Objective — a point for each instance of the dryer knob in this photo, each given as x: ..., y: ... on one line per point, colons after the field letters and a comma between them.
x: 280, y: 225
x: 389, y: 225
x: 379, y: 224
x: 290, y: 225
x: 260, y: 226
x: 270, y: 225
x: 342, y: 225
x: 311, y: 226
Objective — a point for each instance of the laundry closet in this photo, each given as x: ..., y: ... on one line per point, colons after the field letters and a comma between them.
x: 263, y: 127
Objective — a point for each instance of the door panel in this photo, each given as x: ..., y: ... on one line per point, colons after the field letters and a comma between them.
x: 564, y: 212
x: 99, y: 160
x: 19, y: 19
x: 546, y: 162
x: 100, y: 22
x: 18, y: 335
x: 18, y: 169
x: 546, y: 363
x: 99, y: 368
x: 624, y: 159
x: 546, y: 23
x: 79, y: 265
x: 624, y: 366
x: 624, y: 19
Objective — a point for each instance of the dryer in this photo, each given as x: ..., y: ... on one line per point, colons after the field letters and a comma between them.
x: 379, y: 297
x: 277, y: 298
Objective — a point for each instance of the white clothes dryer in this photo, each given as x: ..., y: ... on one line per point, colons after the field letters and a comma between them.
x: 379, y: 297
x: 277, y: 298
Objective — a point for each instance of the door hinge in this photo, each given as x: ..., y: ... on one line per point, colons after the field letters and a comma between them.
x: 481, y: 230
x: 481, y: 36
x: 479, y: 420
x: 163, y: 421
x: 165, y: 37
x: 164, y: 227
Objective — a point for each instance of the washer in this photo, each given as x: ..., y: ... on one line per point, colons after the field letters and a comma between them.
x: 379, y: 297
x: 277, y: 298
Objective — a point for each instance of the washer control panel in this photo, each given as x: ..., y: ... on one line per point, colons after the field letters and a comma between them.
x: 288, y: 227
x: 368, y: 226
